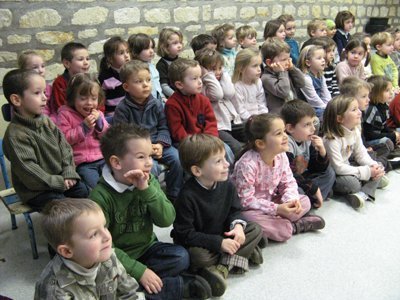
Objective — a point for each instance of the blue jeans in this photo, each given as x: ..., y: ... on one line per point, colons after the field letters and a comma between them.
x: 377, y: 141
x: 90, y: 172
x: 174, y: 177
x: 167, y: 261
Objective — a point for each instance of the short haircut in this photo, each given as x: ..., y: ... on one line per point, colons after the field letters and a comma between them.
x: 305, y: 55
x: 110, y: 48
x: 58, y: 218
x: 209, y: 58
x: 242, y: 61
x: 16, y: 82
x: 67, y: 52
x: 195, y: 149
x: 272, y: 47
x: 201, y: 41
x: 380, y: 38
x: 24, y: 57
x: 177, y: 69
x: 244, y: 31
x: 114, y: 141
x: 83, y: 84
x: 336, y: 107
x: 351, y: 85
x: 293, y: 111
x: 315, y: 24
x: 163, y: 40
x: 343, y: 16
x: 271, y: 28
x: 220, y: 32
x: 323, y: 41
x: 379, y: 85
x: 393, y: 31
x: 286, y: 18
x: 132, y: 67
x: 139, y: 42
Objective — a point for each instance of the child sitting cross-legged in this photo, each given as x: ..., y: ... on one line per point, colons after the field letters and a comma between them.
x: 307, y: 154
x: 85, y: 265
x: 208, y: 218
x: 133, y: 202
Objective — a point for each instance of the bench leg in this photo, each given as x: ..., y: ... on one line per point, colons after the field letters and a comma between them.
x: 13, y: 222
x: 31, y: 232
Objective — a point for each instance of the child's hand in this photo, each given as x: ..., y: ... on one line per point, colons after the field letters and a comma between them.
x: 237, y: 233
x: 138, y: 179
x: 290, y: 65
x: 377, y: 171
x: 288, y: 208
x: 69, y: 183
x: 319, y: 198
x: 157, y: 150
x: 230, y: 246
x: 151, y: 282
x: 95, y: 113
x: 277, y: 67
x: 318, y: 144
x: 90, y: 121
x: 397, y: 137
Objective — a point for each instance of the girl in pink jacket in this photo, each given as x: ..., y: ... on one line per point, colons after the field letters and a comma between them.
x: 83, y: 125
x: 266, y: 187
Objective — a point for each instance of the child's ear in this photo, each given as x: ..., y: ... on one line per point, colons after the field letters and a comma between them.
x: 115, y: 162
x: 15, y: 100
x: 125, y: 86
x: 66, y: 63
x: 378, y: 47
x: 259, y: 144
x: 289, y: 128
x: 196, y: 171
x: 307, y: 63
x: 65, y: 250
x: 178, y: 85
x: 268, y: 62
x: 339, y: 119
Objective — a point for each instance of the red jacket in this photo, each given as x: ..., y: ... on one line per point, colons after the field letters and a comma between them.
x: 189, y: 115
x: 59, y: 92
x: 394, y: 110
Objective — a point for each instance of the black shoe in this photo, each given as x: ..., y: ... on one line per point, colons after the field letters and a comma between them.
x: 395, y: 164
x: 195, y: 287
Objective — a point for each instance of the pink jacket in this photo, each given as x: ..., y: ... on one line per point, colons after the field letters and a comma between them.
x: 261, y: 187
x: 85, y: 144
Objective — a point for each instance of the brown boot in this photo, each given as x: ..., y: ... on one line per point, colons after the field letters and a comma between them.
x: 308, y: 223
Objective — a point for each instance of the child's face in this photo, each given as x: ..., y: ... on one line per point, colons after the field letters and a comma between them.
x: 33, y: 100
x: 317, y: 63
x: 91, y: 241
x: 283, y: 59
x: 214, y: 169
x: 217, y: 70
x: 84, y: 104
x: 367, y: 41
x: 230, y: 39
x: 120, y: 57
x: 330, y: 55
x: 137, y: 157
x: 348, y: 25
x: 174, y: 46
x: 396, y: 44
x: 79, y: 62
x: 191, y: 83
x: 147, y: 55
x: 276, y: 140
x: 303, y: 130
x: 387, y: 94
x: 290, y: 29
x: 36, y: 63
x: 330, y: 32
x: 355, y: 56
x: 351, y: 117
x: 253, y: 71
x: 248, y: 42
x: 386, y: 48
x: 363, y: 98
x: 138, y: 85
x: 280, y: 33
x: 319, y: 32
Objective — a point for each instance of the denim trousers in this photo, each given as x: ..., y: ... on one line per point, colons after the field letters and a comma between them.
x: 168, y: 261
x: 90, y: 172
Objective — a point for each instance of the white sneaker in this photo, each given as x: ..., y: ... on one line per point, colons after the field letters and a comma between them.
x: 357, y: 200
x: 384, y: 182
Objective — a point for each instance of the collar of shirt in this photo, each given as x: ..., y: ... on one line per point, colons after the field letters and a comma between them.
x: 118, y: 186
x: 203, y: 186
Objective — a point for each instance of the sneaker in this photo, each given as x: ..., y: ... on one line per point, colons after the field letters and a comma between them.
x: 195, y: 287
x: 384, y: 182
x: 216, y: 278
x: 256, y: 257
x: 357, y: 200
x: 309, y: 223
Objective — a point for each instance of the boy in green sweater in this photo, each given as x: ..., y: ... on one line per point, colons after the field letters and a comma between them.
x: 132, y: 201
x: 42, y: 165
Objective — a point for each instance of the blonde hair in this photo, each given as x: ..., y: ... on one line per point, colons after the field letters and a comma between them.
x: 242, y: 61
x: 314, y: 24
x: 163, y: 40
x: 379, y: 85
x: 335, y: 108
x: 25, y: 56
x: 209, y: 58
x: 351, y: 85
x: 306, y: 54
x: 380, y: 38
x: 272, y: 47
x: 244, y: 31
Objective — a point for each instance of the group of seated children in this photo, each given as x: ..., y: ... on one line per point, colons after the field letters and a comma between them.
x: 246, y: 158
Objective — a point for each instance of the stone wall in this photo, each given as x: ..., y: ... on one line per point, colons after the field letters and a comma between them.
x: 46, y: 25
